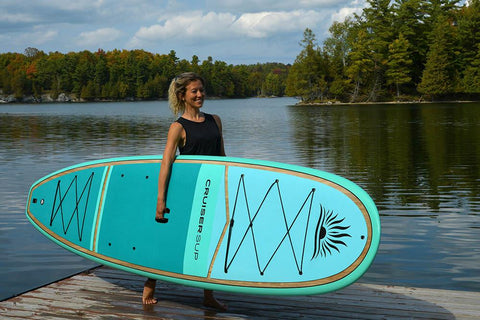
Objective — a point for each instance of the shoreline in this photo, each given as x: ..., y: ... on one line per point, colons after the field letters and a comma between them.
x: 328, y: 104
x: 71, y: 98
x: 63, y: 98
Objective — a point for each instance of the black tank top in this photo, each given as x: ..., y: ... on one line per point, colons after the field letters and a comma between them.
x: 203, y: 138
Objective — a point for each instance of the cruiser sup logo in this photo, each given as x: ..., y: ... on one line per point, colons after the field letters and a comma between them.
x: 201, y: 219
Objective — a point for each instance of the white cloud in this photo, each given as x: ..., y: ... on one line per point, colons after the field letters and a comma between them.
x: 98, y: 37
x: 42, y: 37
x: 226, y: 26
x: 37, y: 37
x: 264, y: 24
x: 341, y: 14
x: 274, y: 5
x: 194, y: 25
x: 6, y: 17
x: 72, y: 5
x: 321, y: 3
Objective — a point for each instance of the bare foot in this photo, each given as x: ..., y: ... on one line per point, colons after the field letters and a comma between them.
x: 149, y: 291
x: 210, y: 301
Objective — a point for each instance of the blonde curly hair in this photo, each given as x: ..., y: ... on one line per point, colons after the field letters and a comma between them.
x: 178, y: 88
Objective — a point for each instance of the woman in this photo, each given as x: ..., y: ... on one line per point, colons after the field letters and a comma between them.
x: 194, y: 133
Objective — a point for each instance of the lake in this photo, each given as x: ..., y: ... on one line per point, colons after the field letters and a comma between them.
x: 419, y: 162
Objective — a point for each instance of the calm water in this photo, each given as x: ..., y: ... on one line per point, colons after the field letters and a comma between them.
x: 420, y: 164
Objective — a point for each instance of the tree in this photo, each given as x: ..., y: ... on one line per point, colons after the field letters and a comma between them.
x: 221, y: 80
x: 273, y: 85
x: 243, y: 87
x: 438, y: 74
x: 439, y: 9
x: 398, y: 63
x: 195, y: 64
x: 101, y: 75
x: 471, y: 78
x: 16, y: 76
x: 409, y: 20
x: 360, y: 63
x: 306, y: 78
x: 84, y: 71
x: 337, y: 45
x: 32, y: 53
x: 379, y: 27
x: 88, y: 91
x: 468, y: 21
x: 337, y: 48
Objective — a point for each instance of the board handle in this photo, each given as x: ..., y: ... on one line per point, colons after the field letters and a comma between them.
x: 163, y: 220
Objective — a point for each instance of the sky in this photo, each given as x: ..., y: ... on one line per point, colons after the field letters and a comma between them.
x: 233, y: 31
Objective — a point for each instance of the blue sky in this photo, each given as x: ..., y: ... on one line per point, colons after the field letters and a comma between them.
x: 237, y: 32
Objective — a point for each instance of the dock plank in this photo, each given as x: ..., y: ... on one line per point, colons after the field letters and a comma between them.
x: 105, y: 293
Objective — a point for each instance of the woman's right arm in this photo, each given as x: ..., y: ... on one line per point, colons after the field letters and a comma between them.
x: 175, y: 136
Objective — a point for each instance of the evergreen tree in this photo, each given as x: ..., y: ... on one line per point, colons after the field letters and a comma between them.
x: 273, y: 85
x: 439, y: 9
x: 88, y: 91
x: 398, y: 63
x: 306, y: 78
x: 360, y: 63
x: 468, y: 21
x: 84, y: 71
x: 378, y: 23
x: 438, y: 74
x: 409, y: 20
x: 337, y: 48
x: 101, y: 74
x: 471, y: 78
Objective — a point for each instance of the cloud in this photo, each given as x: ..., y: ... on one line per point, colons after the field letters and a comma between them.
x: 341, y: 14
x: 40, y: 36
x: 71, y: 5
x: 194, y: 25
x: 265, y: 24
x: 98, y: 37
x: 197, y: 26
x: 15, y: 18
x: 23, y: 14
x: 274, y: 5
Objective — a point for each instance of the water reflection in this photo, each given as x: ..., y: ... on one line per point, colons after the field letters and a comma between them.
x: 421, y: 165
x: 409, y: 155
x: 46, y: 135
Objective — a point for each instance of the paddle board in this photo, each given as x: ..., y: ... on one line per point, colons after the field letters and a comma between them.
x: 235, y: 224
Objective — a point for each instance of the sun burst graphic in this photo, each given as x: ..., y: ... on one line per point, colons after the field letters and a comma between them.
x: 329, y: 233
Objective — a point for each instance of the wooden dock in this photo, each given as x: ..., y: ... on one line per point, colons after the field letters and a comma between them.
x: 105, y: 293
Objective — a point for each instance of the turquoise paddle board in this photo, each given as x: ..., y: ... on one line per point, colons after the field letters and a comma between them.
x: 237, y: 225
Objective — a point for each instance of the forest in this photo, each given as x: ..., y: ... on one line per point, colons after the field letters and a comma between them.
x: 128, y: 74
x: 395, y: 50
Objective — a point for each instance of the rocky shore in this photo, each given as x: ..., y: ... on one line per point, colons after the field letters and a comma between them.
x: 62, y: 97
